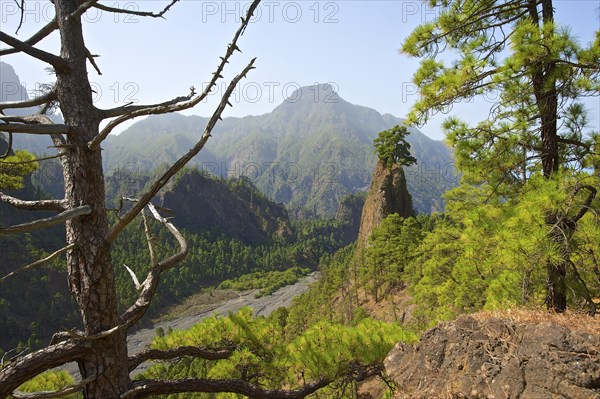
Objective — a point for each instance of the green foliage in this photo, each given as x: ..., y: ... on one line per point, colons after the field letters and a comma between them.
x: 533, y: 59
x: 314, y: 305
x: 392, y: 148
x: 540, y: 71
x: 13, y: 169
x: 213, y: 259
x: 266, y: 282
x: 50, y: 381
x: 391, y: 248
x: 306, y: 155
x: 487, y: 255
x: 265, y: 356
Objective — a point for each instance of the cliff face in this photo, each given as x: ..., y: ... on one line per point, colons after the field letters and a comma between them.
x: 349, y: 214
x: 234, y: 208
x: 388, y: 194
x: 498, y: 358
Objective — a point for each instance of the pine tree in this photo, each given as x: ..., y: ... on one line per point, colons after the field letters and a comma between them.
x: 514, y: 48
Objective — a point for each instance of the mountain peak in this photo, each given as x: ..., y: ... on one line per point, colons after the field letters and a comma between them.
x: 324, y: 93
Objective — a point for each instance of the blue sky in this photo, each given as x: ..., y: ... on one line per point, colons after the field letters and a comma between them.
x: 350, y: 44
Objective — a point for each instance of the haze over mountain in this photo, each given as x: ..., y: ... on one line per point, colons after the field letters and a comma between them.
x: 11, y: 89
x: 310, y: 152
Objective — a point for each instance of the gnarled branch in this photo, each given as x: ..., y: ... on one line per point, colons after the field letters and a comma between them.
x: 39, y: 205
x: 156, y: 354
x: 35, y: 119
x: 26, y: 367
x: 47, y: 222
x: 148, y: 287
x: 44, y: 98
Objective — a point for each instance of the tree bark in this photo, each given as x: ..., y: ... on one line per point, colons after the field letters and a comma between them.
x: 544, y: 88
x: 90, y: 270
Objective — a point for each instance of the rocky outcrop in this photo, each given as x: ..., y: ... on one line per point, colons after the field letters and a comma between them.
x: 234, y: 208
x: 388, y: 194
x: 500, y: 359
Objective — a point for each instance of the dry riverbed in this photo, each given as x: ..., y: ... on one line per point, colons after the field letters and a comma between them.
x: 204, y: 305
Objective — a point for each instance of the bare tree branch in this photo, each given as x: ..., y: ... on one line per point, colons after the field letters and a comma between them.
x: 177, y: 104
x: 35, y: 128
x: 181, y: 162
x: 35, y: 119
x: 24, y: 368
x: 39, y: 205
x: 150, y: 240
x: 156, y: 354
x: 39, y: 35
x: 47, y: 222
x: 40, y: 262
x: 135, y: 12
x: 148, y: 287
x: 92, y: 61
x: 55, y: 394
x: 54, y: 60
x: 127, y: 109
x: 45, y: 98
x: 22, y: 8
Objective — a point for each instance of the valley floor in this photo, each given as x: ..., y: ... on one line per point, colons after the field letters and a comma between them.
x: 221, y: 302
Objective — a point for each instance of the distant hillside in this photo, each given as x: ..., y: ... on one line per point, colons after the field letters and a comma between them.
x: 310, y: 152
x: 234, y: 208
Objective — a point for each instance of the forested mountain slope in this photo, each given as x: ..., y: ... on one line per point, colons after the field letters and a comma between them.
x: 309, y: 152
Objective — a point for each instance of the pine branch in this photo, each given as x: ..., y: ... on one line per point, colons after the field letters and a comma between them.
x: 156, y: 354
x: 588, y: 202
x: 60, y: 154
x: 144, y: 388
